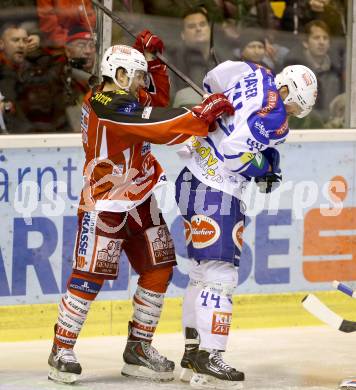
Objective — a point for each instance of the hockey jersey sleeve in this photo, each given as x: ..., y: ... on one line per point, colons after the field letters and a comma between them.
x: 157, y: 94
x: 125, y: 116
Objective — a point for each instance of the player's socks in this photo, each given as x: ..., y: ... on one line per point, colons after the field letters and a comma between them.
x: 141, y: 359
x: 73, y: 310
x: 210, y: 371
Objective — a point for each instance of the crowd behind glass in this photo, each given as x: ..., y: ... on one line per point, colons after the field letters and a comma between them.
x: 48, y: 51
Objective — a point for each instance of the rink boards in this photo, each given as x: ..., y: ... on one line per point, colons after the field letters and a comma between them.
x: 299, y: 239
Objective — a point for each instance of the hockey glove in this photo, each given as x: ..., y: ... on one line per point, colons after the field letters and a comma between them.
x: 147, y: 41
x: 272, y: 156
x: 212, y: 108
x: 268, y: 182
x: 271, y: 180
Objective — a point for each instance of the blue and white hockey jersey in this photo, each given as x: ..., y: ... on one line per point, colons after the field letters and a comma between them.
x: 222, y: 159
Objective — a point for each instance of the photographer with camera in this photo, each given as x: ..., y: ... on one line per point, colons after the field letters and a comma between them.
x: 80, y: 60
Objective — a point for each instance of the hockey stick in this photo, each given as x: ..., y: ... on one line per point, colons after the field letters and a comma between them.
x: 314, y: 306
x: 125, y: 27
x: 345, y: 289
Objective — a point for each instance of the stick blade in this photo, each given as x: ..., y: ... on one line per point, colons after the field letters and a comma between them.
x: 317, y: 308
x: 348, y: 326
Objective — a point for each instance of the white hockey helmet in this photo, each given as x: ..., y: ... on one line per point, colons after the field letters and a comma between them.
x: 302, y: 86
x: 122, y: 56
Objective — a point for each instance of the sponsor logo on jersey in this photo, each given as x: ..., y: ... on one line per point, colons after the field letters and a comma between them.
x: 102, y: 98
x: 146, y: 148
x: 127, y: 108
x: 221, y: 323
x: 107, y: 257
x: 146, y: 113
x: 272, y: 98
x: 187, y: 232
x: 254, y: 145
x: 237, y: 234
x: 247, y: 157
x: 84, y: 234
x: 84, y: 286
x: 283, y: 129
x: 205, y: 231
x: 206, y: 155
x: 161, y: 244
x: 258, y: 125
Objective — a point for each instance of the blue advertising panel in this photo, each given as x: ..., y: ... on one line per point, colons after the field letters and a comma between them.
x: 300, y: 237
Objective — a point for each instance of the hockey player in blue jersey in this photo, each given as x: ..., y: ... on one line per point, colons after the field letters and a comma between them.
x: 208, y: 192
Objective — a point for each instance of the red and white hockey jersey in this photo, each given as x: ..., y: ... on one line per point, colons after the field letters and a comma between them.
x: 120, y: 171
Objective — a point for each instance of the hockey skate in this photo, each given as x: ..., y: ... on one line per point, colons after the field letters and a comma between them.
x: 348, y: 384
x: 190, y: 351
x: 64, y: 366
x: 143, y: 361
x: 210, y: 371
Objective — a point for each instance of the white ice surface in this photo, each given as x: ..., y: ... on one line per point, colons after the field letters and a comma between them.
x: 310, y: 358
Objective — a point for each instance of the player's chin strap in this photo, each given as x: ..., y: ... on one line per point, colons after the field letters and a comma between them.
x: 226, y: 289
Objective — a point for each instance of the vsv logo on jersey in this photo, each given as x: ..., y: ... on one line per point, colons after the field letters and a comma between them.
x: 205, y: 231
x: 221, y: 323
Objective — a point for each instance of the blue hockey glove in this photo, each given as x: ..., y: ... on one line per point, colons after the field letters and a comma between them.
x: 271, y: 180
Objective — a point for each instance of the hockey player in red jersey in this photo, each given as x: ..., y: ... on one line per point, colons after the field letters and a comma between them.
x: 118, y: 210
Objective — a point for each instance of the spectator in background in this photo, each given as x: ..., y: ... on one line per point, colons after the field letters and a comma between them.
x: 13, y: 51
x: 314, y: 53
x: 252, y: 47
x: 192, y: 54
x: 57, y: 17
x: 81, y: 56
x: 80, y: 49
x: 300, y: 12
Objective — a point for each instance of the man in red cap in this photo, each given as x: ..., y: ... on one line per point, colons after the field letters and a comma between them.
x: 80, y: 49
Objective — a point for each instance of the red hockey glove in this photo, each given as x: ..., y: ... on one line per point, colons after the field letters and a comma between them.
x: 147, y: 41
x: 213, y: 107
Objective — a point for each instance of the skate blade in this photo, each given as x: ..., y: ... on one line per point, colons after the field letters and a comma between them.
x: 202, y: 381
x: 141, y: 372
x: 348, y: 384
x: 186, y: 375
x: 62, y: 377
